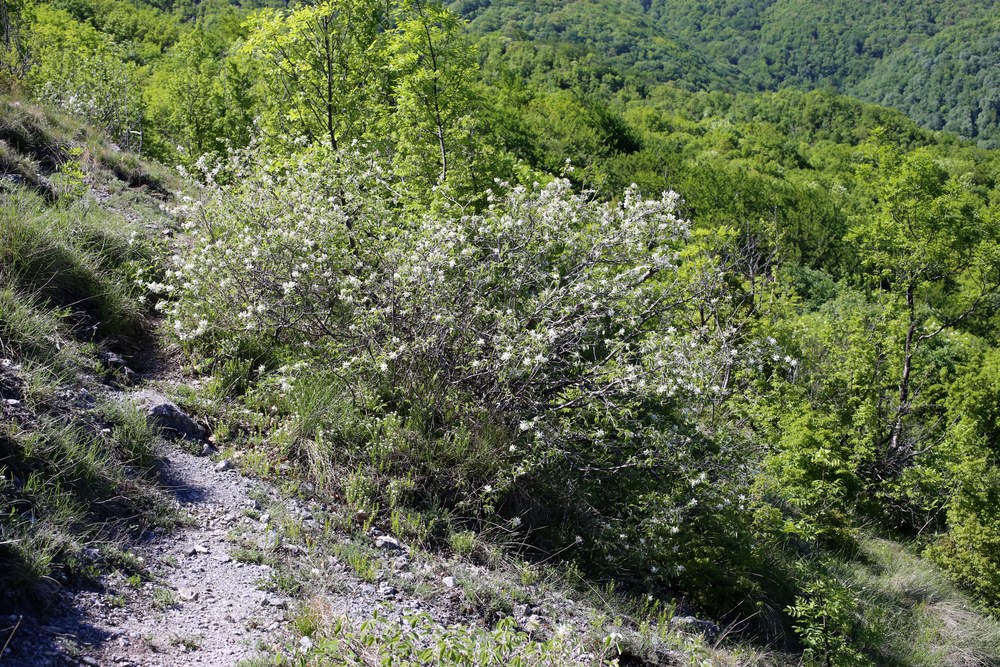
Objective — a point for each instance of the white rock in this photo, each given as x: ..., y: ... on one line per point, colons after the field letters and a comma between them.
x: 386, y: 542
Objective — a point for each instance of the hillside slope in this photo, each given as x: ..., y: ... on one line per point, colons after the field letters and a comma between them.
x: 79, y: 221
x: 935, y: 61
x: 598, y: 45
x: 120, y: 546
x: 533, y: 326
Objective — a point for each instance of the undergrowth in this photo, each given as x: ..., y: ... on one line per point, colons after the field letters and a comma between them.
x: 76, y: 462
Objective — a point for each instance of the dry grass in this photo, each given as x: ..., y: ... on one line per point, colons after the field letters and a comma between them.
x: 917, y: 616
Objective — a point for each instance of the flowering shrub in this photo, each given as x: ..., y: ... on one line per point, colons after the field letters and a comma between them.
x: 548, y: 355
x: 103, y: 90
x: 286, y: 252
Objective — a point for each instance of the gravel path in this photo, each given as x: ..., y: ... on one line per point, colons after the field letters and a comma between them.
x: 202, y: 607
x: 206, y: 608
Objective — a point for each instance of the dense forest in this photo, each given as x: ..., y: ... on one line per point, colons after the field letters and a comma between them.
x: 936, y: 61
x: 633, y: 287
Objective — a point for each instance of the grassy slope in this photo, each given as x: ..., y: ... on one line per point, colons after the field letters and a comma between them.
x: 75, y: 464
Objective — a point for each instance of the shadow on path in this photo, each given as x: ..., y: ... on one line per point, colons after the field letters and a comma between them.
x: 47, y: 626
x: 46, y: 637
x: 181, y: 489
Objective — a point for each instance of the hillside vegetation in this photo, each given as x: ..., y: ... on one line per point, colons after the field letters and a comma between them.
x: 75, y: 465
x: 935, y: 61
x: 529, y: 290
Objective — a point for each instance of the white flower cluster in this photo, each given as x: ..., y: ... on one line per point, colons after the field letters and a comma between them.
x: 549, y: 310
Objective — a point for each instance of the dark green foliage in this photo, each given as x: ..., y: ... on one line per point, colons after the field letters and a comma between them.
x: 588, y: 45
x: 969, y: 549
x: 916, y: 56
x: 947, y: 82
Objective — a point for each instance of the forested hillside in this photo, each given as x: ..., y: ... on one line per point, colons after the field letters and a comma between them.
x: 936, y: 61
x: 628, y: 292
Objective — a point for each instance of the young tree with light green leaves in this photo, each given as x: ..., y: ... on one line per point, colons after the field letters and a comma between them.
x: 199, y: 99
x: 934, y: 248
x: 434, y: 67
x: 320, y: 69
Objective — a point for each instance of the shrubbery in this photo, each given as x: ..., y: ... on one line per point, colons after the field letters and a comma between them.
x: 549, y: 357
x: 81, y: 71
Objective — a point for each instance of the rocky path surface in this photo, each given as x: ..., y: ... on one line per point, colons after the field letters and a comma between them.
x: 198, y: 606
x: 204, y: 607
x: 208, y: 592
x: 194, y: 603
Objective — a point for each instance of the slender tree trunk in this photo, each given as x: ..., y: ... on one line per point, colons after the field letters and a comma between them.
x: 904, y: 382
x: 328, y: 53
x: 5, y: 22
x: 435, y: 94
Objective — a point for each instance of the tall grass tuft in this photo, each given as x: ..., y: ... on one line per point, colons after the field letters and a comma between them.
x: 69, y: 258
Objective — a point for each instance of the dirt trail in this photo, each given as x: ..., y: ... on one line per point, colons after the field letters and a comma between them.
x: 195, y: 604
x: 202, y: 607
x: 205, y: 596
x: 205, y: 608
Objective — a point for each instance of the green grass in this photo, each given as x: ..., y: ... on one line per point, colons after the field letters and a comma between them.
x: 75, y: 464
x: 31, y: 333
x: 164, y: 598
x: 361, y: 559
x: 915, y: 615
x: 251, y: 556
x: 34, y: 140
x: 417, y: 639
x: 76, y: 261
x: 186, y: 642
x: 64, y: 486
